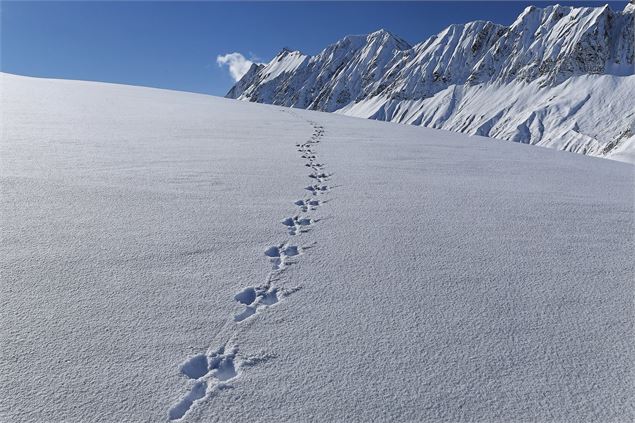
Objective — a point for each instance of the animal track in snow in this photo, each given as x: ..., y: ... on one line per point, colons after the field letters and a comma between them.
x: 308, y: 204
x: 196, y: 367
x: 198, y: 391
x: 317, y: 189
x: 296, y: 224
x: 209, y: 372
x: 315, y: 166
x: 320, y: 176
x: 219, y: 365
x: 254, y: 298
x: 216, y: 367
x: 278, y: 255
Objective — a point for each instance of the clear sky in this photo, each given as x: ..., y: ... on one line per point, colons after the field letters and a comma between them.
x: 176, y: 44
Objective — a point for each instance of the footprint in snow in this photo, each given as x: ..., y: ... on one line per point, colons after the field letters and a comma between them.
x: 198, y: 391
x: 320, y: 176
x: 315, y: 166
x: 278, y: 255
x: 308, y: 204
x: 218, y: 366
x: 296, y: 224
x: 317, y: 189
x: 255, y: 298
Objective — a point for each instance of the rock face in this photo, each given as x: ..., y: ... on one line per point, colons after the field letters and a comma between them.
x: 245, y: 81
x: 558, y: 76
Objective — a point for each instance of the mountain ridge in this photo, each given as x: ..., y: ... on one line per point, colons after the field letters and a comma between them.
x: 380, y: 76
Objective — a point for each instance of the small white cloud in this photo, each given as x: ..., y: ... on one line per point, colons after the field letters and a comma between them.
x: 237, y: 63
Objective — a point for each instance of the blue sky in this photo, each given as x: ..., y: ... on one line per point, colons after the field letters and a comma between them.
x: 175, y: 44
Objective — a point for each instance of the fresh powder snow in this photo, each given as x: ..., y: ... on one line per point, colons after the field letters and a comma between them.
x: 171, y: 256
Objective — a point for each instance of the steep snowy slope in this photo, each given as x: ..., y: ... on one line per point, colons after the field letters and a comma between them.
x: 173, y: 256
x: 328, y: 80
x: 379, y: 76
x: 584, y: 114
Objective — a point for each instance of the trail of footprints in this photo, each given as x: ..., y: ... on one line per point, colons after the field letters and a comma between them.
x: 212, y: 371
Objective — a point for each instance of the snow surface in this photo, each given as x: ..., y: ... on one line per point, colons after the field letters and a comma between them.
x: 166, y: 255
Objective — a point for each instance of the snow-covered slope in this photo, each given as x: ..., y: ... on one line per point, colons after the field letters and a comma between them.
x: 174, y: 256
x: 515, y: 73
x: 584, y: 114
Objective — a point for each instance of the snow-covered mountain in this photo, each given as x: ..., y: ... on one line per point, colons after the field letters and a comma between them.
x: 558, y: 76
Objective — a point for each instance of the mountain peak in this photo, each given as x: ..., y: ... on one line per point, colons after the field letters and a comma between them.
x: 386, y: 36
x: 381, y: 33
x: 287, y: 51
